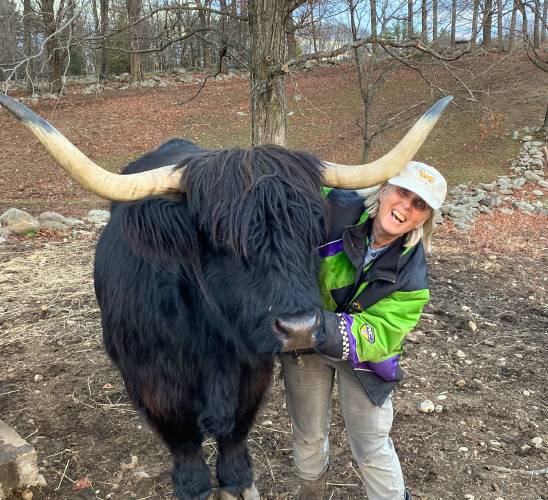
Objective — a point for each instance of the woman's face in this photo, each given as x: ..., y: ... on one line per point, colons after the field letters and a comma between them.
x: 400, y: 211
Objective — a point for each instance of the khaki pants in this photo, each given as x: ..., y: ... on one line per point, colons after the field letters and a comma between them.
x: 308, y: 389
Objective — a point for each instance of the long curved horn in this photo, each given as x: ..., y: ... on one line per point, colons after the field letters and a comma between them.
x: 91, y: 176
x: 378, y: 171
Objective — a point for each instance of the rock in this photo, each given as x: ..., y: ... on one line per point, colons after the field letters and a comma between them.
x: 426, y: 406
x: 412, y: 337
x: 531, y: 176
x: 241, y: 113
x: 489, y: 343
x: 27, y: 494
x: 441, y: 397
x: 468, y: 496
x: 93, y: 89
x: 38, y: 378
x: 18, y: 465
x: 507, y: 211
x: 537, y: 442
x: 526, y: 392
x: 538, y: 192
x: 526, y: 138
x: 438, y: 408
x: 543, y: 184
x: 460, y: 383
x: 125, y: 77
x: 141, y: 474
x: 98, y: 216
x: 147, y: 83
x: 438, y: 218
x: 19, y: 222
x: 519, y: 182
x: 463, y: 448
x: 460, y: 354
x: 524, y: 448
x: 472, y: 326
x: 515, y: 135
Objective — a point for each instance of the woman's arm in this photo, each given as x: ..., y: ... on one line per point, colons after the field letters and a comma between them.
x: 372, y: 339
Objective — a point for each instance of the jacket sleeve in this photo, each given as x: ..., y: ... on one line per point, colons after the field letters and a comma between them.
x: 372, y: 339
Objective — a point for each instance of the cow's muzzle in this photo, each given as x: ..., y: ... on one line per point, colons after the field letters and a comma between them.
x: 297, y: 332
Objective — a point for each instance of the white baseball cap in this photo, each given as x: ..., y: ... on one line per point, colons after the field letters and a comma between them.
x: 423, y: 180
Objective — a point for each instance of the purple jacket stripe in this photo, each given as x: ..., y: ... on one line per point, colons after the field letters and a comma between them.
x: 386, y: 369
x: 330, y: 249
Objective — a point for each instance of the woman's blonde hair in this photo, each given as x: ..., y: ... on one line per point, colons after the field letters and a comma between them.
x: 424, y: 232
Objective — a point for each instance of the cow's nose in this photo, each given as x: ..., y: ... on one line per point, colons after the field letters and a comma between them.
x: 298, y: 331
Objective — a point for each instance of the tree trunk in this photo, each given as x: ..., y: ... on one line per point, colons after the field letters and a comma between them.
x: 544, y: 30
x: 453, y: 23
x: 536, y: 26
x: 500, y: 34
x: 27, y: 46
x: 410, y: 19
x: 103, y: 68
x: 224, y: 36
x: 487, y: 23
x: 424, y: 22
x: 56, y: 55
x: 206, y: 55
x: 291, y: 40
x: 512, y: 33
x: 474, y: 34
x: 545, y: 125
x: 373, y: 4
x: 524, y: 27
x: 434, y: 20
x: 134, y: 13
x: 268, y: 102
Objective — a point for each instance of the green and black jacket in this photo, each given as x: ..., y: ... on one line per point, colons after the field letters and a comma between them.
x: 369, y: 309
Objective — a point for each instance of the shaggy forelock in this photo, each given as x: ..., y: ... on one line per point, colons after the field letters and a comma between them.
x: 262, y: 203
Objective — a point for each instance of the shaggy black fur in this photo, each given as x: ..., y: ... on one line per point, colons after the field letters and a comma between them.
x: 189, y: 288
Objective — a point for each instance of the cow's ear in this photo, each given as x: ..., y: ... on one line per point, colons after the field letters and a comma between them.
x: 160, y: 231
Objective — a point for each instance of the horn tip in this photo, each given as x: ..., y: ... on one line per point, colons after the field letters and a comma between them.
x: 438, y: 108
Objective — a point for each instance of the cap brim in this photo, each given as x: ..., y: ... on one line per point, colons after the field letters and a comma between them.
x: 417, y: 188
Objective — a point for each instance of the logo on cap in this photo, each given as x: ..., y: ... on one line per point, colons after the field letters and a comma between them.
x: 425, y: 176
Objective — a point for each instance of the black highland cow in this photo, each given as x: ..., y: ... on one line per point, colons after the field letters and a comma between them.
x: 207, y: 269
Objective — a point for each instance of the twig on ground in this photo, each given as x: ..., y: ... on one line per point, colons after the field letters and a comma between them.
x: 63, y: 476
x: 537, y: 472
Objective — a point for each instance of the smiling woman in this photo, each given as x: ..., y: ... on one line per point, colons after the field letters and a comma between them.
x: 373, y: 282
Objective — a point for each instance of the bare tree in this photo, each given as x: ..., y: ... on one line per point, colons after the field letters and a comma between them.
x: 103, y: 25
x: 410, y: 19
x: 544, y: 30
x: 474, y: 34
x: 134, y: 14
x: 373, y: 4
x: 536, y: 25
x: 512, y: 32
x: 27, y: 46
x: 424, y: 22
x: 268, y: 103
x: 56, y: 53
x: 487, y: 23
x: 434, y: 20
x: 453, y: 22
x: 500, y: 34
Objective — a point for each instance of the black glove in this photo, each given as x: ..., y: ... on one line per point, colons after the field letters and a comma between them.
x: 332, y: 335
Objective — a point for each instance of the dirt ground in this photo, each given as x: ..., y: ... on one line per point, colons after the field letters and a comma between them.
x: 60, y: 392
x: 58, y: 389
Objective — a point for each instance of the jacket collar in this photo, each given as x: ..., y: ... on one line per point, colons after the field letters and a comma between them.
x: 355, y: 241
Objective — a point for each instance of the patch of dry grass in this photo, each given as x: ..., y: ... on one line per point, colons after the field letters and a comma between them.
x: 47, y: 293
